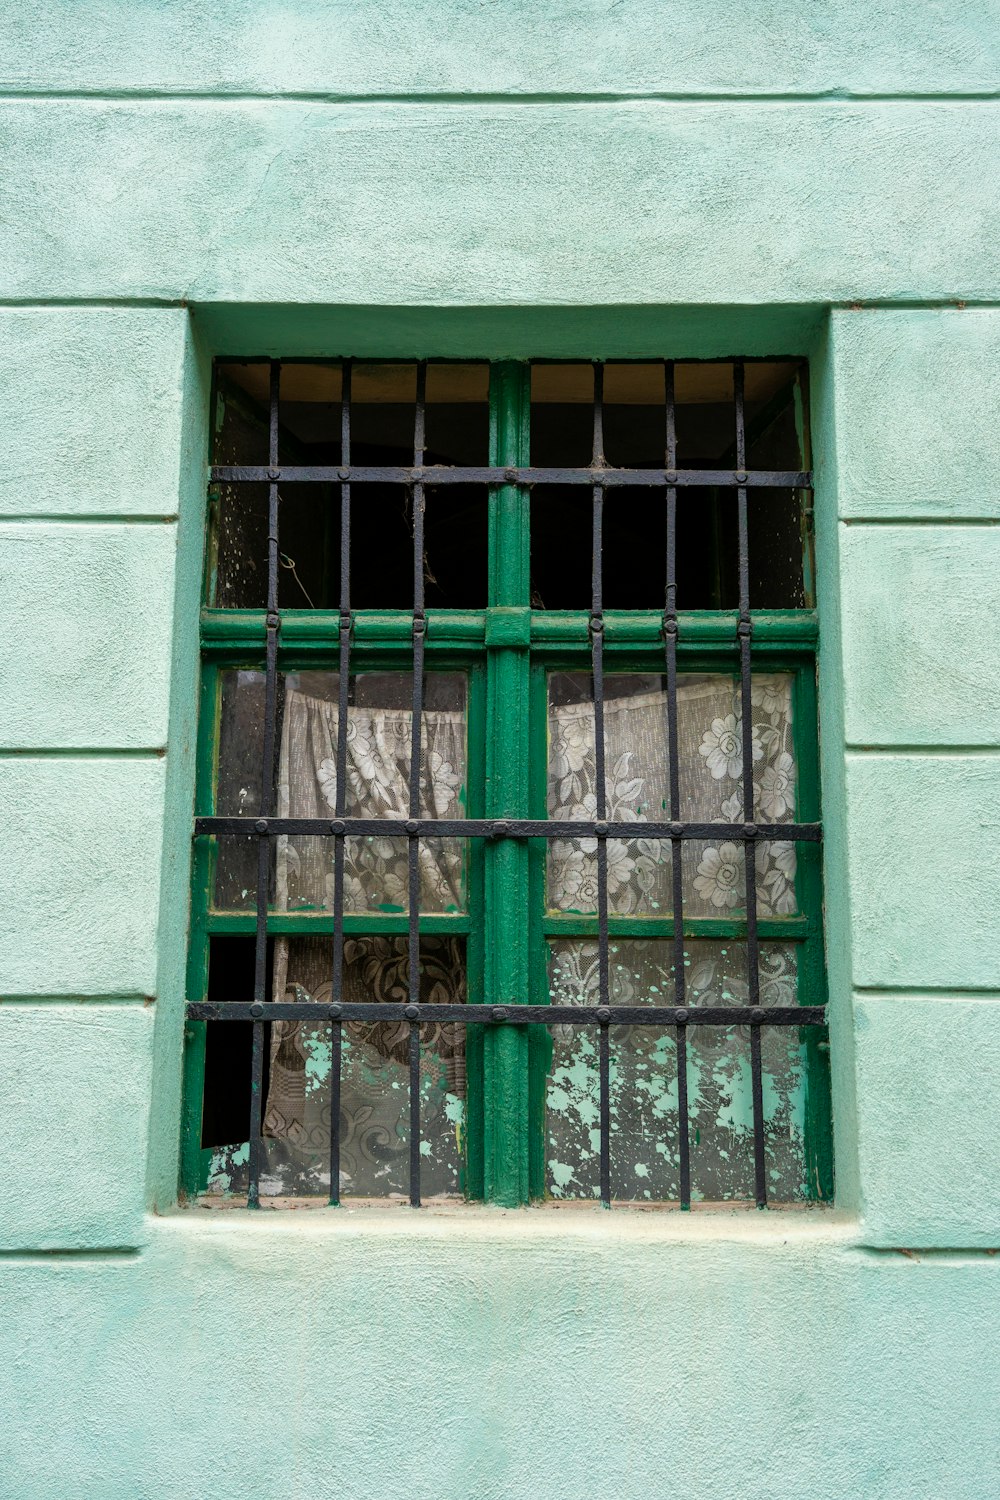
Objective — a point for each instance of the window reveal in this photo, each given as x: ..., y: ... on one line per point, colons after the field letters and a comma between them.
x: 602, y: 940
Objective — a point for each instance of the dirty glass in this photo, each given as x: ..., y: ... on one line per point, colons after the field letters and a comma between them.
x: 637, y: 789
x: 374, y: 1097
x: 383, y: 406
x: 643, y: 1095
x: 378, y: 762
x: 634, y: 525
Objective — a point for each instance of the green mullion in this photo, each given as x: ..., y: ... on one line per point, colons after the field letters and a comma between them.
x: 812, y: 966
x: 506, y: 1048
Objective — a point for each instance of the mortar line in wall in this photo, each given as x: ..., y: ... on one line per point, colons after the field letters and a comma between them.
x: 82, y: 752
x: 950, y: 302
x: 943, y: 520
x: 925, y: 992
x: 954, y: 751
x: 474, y: 98
x: 27, y: 1001
x: 957, y: 1254
x: 69, y: 1252
x: 86, y: 518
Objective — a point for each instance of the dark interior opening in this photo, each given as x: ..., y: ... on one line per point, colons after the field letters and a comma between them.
x: 225, y: 1117
x: 634, y: 524
x: 456, y: 516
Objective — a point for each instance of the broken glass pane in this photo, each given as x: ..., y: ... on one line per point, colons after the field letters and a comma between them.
x: 374, y: 1090
x: 644, y: 1104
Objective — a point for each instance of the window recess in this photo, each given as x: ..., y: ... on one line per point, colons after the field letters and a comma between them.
x: 506, y: 851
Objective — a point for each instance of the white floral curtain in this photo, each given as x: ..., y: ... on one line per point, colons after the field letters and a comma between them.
x: 375, y: 877
x: 637, y: 781
x: 296, y: 1124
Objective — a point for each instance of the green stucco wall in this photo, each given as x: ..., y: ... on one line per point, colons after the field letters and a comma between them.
x: 615, y: 177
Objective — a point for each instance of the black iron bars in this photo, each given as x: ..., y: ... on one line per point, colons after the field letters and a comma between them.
x: 343, y: 701
x: 600, y: 479
x: 524, y: 474
x: 744, y: 630
x: 413, y: 825
x: 266, y: 798
x: 601, y: 798
x: 673, y: 754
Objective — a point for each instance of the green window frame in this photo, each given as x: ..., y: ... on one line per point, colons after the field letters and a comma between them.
x: 507, y: 649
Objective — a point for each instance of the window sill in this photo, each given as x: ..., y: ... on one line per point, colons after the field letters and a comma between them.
x: 540, y: 1223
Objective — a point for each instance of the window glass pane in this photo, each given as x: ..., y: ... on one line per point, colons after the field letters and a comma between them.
x: 635, y: 416
x: 383, y: 413
x: 374, y: 1091
x: 562, y: 415
x: 309, y: 396
x: 241, y: 429
x: 644, y: 1112
x: 637, y: 780
x: 378, y: 762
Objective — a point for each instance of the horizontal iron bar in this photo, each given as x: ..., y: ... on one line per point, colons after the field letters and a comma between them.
x: 439, y: 474
x: 501, y: 828
x: 393, y: 1013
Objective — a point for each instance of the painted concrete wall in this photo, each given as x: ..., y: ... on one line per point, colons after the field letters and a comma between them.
x: 439, y: 176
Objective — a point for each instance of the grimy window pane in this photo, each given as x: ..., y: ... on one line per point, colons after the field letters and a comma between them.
x: 373, y: 1099
x: 634, y: 522
x: 377, y: 785
x: 637, y: 775
x: 644, y: 1113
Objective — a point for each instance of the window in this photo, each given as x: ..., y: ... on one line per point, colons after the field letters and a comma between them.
x: 506, y: 856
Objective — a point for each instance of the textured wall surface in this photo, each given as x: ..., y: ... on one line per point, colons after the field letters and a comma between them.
x: 441, y: 176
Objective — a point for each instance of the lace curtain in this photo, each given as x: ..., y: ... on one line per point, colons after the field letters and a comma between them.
x: 637, y: 781
x: 375, y: 968
x: 373, y: 1093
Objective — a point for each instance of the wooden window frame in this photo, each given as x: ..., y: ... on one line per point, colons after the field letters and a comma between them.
x: 507, y: 649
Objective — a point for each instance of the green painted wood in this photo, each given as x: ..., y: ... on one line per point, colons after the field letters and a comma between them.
x: 308, y: 631
x: 241, y: 924
x: 193, y: 1162
x: 505, y: 1067
x: 812, y: 988
x: 508, y: 650
x: 569, y: 924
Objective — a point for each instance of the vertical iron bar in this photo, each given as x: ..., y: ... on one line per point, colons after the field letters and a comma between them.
x: 336, y: 1063
x: 343, y: 701
x: 676, y: 844
x: 419, y: 630
x: 266, y: 797
x: 604, y: 1073
x: 601, y: 800
x: 745, y: 630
